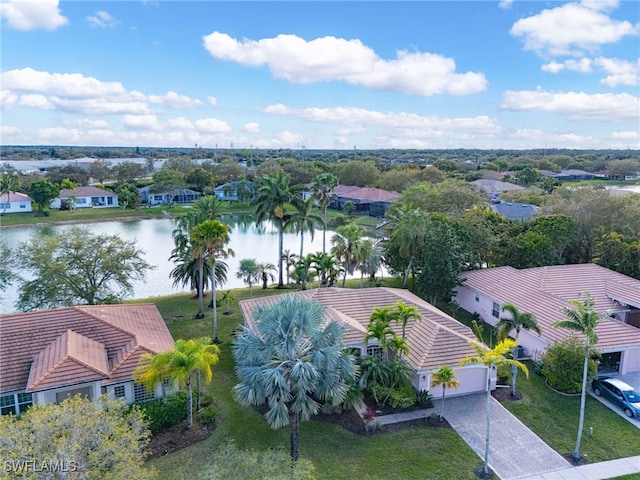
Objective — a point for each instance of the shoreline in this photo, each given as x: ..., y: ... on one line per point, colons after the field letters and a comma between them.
x: 83, y: 221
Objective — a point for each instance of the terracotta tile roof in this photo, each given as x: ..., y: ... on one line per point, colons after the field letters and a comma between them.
x: 124, y: 331
x: 70, y: 358
x: 15, y: 197
x: 545, y: 291
x: 365, y: 194
x: 85, y: 192
x: 437, y: 340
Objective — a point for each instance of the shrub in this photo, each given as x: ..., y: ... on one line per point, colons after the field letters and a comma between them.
x: 563, y: 363
x: 403, y: 397
x: 503, y: 376
x: 424, y: 399
x: 208, y: 415
x: 162, y: 416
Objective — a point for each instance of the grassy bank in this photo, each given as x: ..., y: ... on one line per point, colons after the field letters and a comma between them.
x: 404, y: 454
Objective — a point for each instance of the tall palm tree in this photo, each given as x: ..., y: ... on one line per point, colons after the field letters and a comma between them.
x: 379, y: 328
x: 404, y: 313
x: 186, y: 359
x: 290, y: 260
x: 8, y: 183
x: 249, y: 272
x: 303, y: 218
x: 212, y: 236
x: 492, y: 358
x: 446, y: 377
x: 517, y: 321
x: 274, y: 195
x: 409, y: 231
x: 292, y: 360
x: 582, y: 318
x: 323, y: 186
x: 347, y: 247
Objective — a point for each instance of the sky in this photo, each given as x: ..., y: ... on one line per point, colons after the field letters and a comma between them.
x: 503, y: 74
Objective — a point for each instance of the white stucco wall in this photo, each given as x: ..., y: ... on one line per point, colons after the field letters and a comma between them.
x: 630, y: 361
x: 472, y: 378
x: 17, y: 206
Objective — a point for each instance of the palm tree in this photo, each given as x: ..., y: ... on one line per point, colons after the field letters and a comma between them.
x: 273, y: 196
x: 404, y: 313
x: 323, y: 185
x: 265, y: 269
x: 304, y: 271
x: 326, y: 265
x: 289, y: 260
x: 213, y: 236
x: 446, y: 377
x: 292, y: 360
x: 517, y: 320
x: 410, y: 227
x: 347, y: 247
x: 8, y: 183
x: 492, y: 359
x: 227, y: 298
x: 249, y: 272
x: 303, y: 218
x: 582, y: 318
x: 186, y: 359
x: 379, y: 328
x: 372, y: 260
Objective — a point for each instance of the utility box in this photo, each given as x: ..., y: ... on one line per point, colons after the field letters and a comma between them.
x: 519, y: 352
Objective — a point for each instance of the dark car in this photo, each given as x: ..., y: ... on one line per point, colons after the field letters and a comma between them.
x: 619, y: 393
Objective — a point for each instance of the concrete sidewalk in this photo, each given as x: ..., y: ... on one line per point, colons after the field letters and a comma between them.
x: 593, y: 471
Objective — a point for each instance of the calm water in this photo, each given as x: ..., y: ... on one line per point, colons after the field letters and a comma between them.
x: 154, y: 238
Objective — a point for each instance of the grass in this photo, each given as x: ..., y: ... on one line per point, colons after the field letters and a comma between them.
x: 403, y: 454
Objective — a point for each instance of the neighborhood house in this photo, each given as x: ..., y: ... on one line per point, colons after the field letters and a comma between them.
x: 177, y: 196
x: 49, y: 355
x: 85, y: 197
x: 12, y: 202
x: 436, y: 341
x: 546, y: 291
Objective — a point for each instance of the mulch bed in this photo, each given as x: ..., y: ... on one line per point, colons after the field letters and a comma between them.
x: 178, y: 437
x: 504, y: 395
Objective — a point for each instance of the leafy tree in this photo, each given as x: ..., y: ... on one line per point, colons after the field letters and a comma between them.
x: 129, y: 172
x: 451, y: 197
x: 304, y: 218
x: 67, y: 184
x: 274, y: 194
x: 227, y: 461
x: 72, y: 173
x: 128, y: 195
x: 67, y: 435
x: 78, y: 267
x: 347, y: 247
x: 492, y: 358
x: 359, y: 173
x: 562, y: 364
x: 199, y: 179
x: 100, y: 170
x: 249, y: 272
x: 349, y: 207
x: 527, y: 176
x: 43, y: 193
x: 188, y: 358
x: 167, y: 181
x: 292, y: 360
x: 446, y: 377
x: 7, y: 266
x: 212, y: 236
x: 618, y: 252
x: 560, y: 230
x: 582, y: 318
x: 517, y: 321
x: 323, y: 186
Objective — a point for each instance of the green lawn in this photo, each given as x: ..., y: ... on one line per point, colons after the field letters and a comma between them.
x: 404, y: 454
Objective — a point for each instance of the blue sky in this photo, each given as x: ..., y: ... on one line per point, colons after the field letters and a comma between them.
x: 365, y: 75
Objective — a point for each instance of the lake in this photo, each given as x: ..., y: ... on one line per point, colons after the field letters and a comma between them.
x: 153, y: 236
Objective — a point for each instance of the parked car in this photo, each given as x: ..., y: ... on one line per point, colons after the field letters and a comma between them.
x: 619, y: 393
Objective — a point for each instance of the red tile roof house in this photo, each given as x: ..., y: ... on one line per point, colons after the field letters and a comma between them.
x: 545, y: 291
x: 12, y: 202
x: 372, y: 201
x: 87, y: 197
x: 436, y: 341
x: 48, y: 355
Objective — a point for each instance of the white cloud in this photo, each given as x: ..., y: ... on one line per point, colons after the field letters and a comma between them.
x: 35, y: 100
x: 251, y: 127
x: 574, y: 105
x: 620, y: 72
x: 213, y: 101
x: 572, y: 29
x: 140, y: 122
x: 296, y: 60
x: 625, y: 135
x: 32, y: 14
x: 180, y: 122
x: 102, y: 19
x: 8, y: 99
x: 175, y: 100
x: 100, y: 106
x: 506, y: 4
x: 9, y: 131
x: 212, y: 125
x: 358, y: 117
x: 88, y: 123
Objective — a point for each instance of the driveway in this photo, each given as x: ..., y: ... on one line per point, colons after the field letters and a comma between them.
x: 632, y: 379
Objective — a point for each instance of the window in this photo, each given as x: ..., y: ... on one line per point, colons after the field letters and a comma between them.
x: 5, y: 205
x: 22, y: 205
x: 141, y: 394
x: 496, y: 310
x: 25, y: 400
x: 374, y: 351
x: 118, y: 391
x: 8, y: 405
x: 477, y: 297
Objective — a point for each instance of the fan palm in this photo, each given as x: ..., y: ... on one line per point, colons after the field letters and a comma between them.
x: 291, y: 360
x: 582, y: 318
x: 492, y: 358
x: 517, y: 321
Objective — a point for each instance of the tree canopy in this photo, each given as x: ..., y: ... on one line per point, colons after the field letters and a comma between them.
x: 78, y: 267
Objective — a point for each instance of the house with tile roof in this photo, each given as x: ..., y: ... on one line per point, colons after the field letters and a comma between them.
x: 546, y: 291
x: 86, y: 197
x: 371, y: 201
x: 92, y: 350
x: 13, y: 202
x: 435, y: 341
